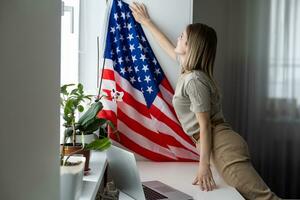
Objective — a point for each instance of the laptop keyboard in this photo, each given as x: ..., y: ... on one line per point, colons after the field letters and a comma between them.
x: 151, y: 194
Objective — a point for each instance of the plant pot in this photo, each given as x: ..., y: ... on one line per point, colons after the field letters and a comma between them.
x: 69, y: 148
x: 71, y: 179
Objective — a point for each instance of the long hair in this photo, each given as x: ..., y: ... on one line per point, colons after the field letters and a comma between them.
x: 201, y: 50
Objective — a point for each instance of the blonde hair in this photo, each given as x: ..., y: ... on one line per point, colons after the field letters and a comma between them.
x: 201, y: 53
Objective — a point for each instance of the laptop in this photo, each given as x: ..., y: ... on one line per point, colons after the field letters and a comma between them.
x: 124, y: 171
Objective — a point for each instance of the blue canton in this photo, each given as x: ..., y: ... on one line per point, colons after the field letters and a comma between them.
x: 132, y: 56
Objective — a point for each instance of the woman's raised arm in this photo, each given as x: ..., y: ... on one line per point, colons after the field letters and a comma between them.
x: 140, y: 14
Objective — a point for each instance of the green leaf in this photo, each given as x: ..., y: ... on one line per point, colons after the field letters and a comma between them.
x: 99, y: 144
x: 90, y: 113
x: 63, y: 89
x: 74, y: 91
x: 80, y: 88
x: 91, y: 126
x: 80, y: 108
x: 111, y: 124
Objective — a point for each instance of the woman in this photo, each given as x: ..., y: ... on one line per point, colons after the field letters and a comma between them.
x: 197, y: 104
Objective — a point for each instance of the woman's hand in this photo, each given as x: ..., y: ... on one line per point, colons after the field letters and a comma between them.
x: 204, y: 178
x: 140, y: 13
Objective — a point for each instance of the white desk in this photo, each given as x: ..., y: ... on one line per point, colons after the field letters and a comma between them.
x: 91, y: 182
x: 178, y: 175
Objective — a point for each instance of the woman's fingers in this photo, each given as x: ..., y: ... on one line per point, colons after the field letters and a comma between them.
x: 195, y: 181
x: 144, y: 8
x: 139, y: 7
x: 213, y: 183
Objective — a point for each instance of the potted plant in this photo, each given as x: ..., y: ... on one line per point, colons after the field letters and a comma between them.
x: 72, y: 168
x: 72, y: 102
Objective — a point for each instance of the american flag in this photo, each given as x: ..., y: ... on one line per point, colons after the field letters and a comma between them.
x: 145, y: 119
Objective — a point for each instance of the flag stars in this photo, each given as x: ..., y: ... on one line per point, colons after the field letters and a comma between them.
x: 118, y: 27
x: 115, y: 40
x: 129, y: 26
x: 143, y: 57
x: 139, y: 79
x: 118, y: 50
x: 121, y: 37
x: 136, y: 69
x: 143, y: 39
x: 154, y: 61
x: 132, y: 80
x: 123, y: 15
x: 112, y: 30
x: 145, y: 68
x: 140, y: 47
x: 128, y: 15
x: 123, y: 70
x: 120, y: 4
x: 157, y: 71
x: 147, y: 79
x: 124, y: 48
x: 131, y: 47
x: 149, y: 89
x: 120, y: 60
x: 127, y: 59
x: 129, y: 69
x: 115, y: 63
x: 112, y: 53
x: 116, y: 16
x: 124, y: 25
x: 130, y: 37
x: 145, y: 50
x: 133, y: 58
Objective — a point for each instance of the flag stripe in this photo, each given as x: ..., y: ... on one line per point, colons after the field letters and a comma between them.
x: 139, y: 123
x: 162, y: 127
x: 142, y: 141
x: 162, y: 117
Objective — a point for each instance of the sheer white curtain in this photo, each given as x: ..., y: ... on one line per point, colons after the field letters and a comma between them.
x: 261, y: 86
x: 284, y: 59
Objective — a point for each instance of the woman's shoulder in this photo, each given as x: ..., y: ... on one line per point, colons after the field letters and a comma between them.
x: 196, y: 75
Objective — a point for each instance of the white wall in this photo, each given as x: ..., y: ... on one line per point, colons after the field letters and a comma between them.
x: 164, y: 13
x: 29, y: 101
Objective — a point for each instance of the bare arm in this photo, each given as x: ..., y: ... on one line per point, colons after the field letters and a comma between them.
x: 205, y: 135
x: 204, y: 175
x: 140, y: 14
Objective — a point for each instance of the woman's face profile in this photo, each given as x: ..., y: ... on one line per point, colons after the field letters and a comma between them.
x: 181, y: 47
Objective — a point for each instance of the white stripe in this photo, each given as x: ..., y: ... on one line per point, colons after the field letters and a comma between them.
x: 162, y: 127
x: 144, y: 142
x: 108, y: 84
x: 183, y: 153
x: 155, y: 126
x: 109, y: 105
x: 134, y: 114
x: 166, y: 94
x: 126, y: 85
x: 163, y: 107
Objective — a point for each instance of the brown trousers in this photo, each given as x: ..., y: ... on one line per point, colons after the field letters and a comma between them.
x: 230, y: 156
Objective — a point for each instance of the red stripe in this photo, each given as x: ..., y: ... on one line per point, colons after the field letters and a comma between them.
x: 130, y: 100
x: 109, y: 115
x: 128, y: 143
x: 171, y: 108
x: 137, y: 127
x: 167, y: 85
x: 108, y: 74
x: 170, y: 123
x: 125, y: 141
x: 158, y: 137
